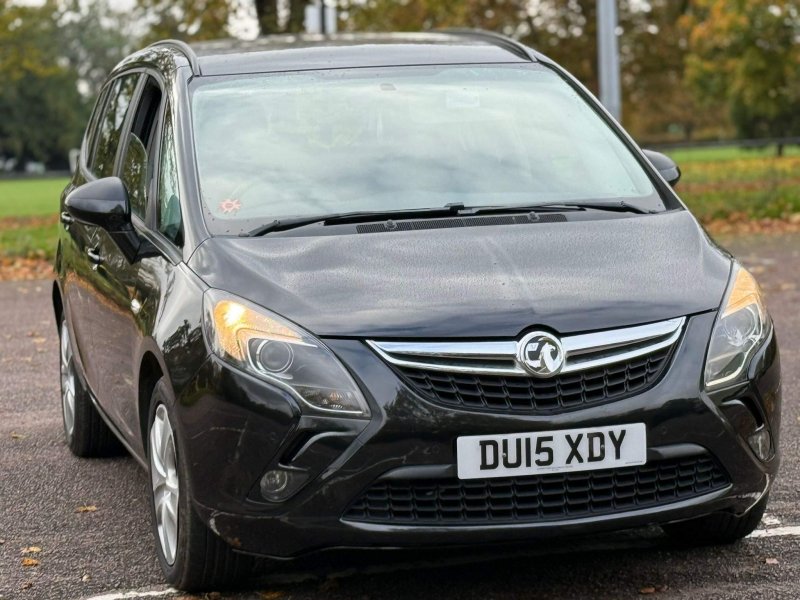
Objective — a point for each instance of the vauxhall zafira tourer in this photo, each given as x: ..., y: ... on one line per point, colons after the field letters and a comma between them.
x: 369, y: 291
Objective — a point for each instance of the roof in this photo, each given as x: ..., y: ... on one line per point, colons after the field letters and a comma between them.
x: 311, y: 52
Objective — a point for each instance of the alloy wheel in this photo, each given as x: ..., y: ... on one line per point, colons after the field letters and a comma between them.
x: 166, y: 488
x: 67, y: 382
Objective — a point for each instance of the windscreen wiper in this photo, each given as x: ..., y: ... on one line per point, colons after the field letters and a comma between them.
x: 615, y: 206
x: 454, y: 209
x: 355, y: 217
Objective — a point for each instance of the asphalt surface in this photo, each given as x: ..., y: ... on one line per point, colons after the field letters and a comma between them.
x: 110, y: 550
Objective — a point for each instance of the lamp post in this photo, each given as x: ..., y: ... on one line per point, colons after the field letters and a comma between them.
x: 608, y: 57
x: 320, y: 18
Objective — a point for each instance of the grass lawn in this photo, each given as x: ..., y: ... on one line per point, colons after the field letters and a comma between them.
x: 30, y: 197
x: 689, y: 155
x: 29, y: 217
x: 32, y: 238
x: 720, y: 183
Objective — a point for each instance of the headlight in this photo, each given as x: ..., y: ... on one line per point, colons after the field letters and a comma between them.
x: 741, y: 326
x: 270, y: 347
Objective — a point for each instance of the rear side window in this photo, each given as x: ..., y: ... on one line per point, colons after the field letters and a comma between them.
x: 91, y: 128
x: 110, y: 127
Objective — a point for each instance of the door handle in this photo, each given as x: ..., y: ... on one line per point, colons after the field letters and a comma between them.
x: 66, y: 218
x: 94, y: 256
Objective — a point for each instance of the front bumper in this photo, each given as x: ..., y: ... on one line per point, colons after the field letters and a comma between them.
x: 234, y: 428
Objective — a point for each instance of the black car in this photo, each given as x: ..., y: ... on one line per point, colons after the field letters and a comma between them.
x: 399, y: 291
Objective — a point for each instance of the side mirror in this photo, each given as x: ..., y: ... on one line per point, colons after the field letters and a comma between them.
x: 664, y: 165
x: 103, y: 203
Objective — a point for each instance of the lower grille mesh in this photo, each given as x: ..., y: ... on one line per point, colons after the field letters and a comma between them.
x: 538, y: 498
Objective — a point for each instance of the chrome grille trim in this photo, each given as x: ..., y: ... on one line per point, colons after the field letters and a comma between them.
x: 581, y: 352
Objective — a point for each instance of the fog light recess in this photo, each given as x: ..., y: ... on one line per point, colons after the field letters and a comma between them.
x: 761, y: 443
x: 278, y: 484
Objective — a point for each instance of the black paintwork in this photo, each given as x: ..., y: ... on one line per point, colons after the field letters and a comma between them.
x: 484, y: 282
x: 477, y: 282
x: 103, y: 203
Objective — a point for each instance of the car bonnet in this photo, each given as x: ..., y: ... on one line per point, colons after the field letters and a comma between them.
x: 477, y: 282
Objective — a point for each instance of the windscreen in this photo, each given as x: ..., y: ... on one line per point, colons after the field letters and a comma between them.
x: 275, y: 146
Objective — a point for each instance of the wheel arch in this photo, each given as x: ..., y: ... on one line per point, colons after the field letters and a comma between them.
x: 58, y: 303
x: 151, y: 371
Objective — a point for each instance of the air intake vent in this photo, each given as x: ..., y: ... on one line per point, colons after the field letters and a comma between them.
x: 417, y: 225
x: 541, y: 498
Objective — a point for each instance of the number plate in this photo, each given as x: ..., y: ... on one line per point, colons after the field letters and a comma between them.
x: 484, y: 456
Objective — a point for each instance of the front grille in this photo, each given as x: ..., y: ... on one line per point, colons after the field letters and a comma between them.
x: 528, y: 394
x: 539, y: 498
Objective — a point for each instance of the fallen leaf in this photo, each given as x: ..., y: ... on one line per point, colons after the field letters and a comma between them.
x: 771, y: 561
x: 31, y: 550
x: 26, y: 586
x: 17, y: 436
x: 647, y: 590
x: 270, y: 595
x: 86, y: 508
x: 86, y: 578
x: 24, y: 268
x: 30, y: 562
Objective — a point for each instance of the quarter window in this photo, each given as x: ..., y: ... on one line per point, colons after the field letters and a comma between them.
x: 136, y: 170
x: 119, y: 98
x: 169, y: 208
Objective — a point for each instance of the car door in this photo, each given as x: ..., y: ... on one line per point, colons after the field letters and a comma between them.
x: 118, y: 325
x: 162, y: 280
x: 73, y: 243
x: 80, y: 242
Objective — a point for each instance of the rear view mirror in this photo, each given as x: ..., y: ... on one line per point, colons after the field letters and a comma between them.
x: 103, y: 203
x: 664, y: 165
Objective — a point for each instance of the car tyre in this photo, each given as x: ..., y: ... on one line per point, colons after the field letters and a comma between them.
x: 717, y: 528
x: 86, y: 433
x: 192, y: 557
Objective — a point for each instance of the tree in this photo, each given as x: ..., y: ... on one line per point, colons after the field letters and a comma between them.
x: 652, y: 46
x: 267, y: 15
x: 746, y: 52
x: 42, y: 111
x: 185, y: 19
x: 93, y: 39
x: 210, y: 19
x: 658, y: 103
